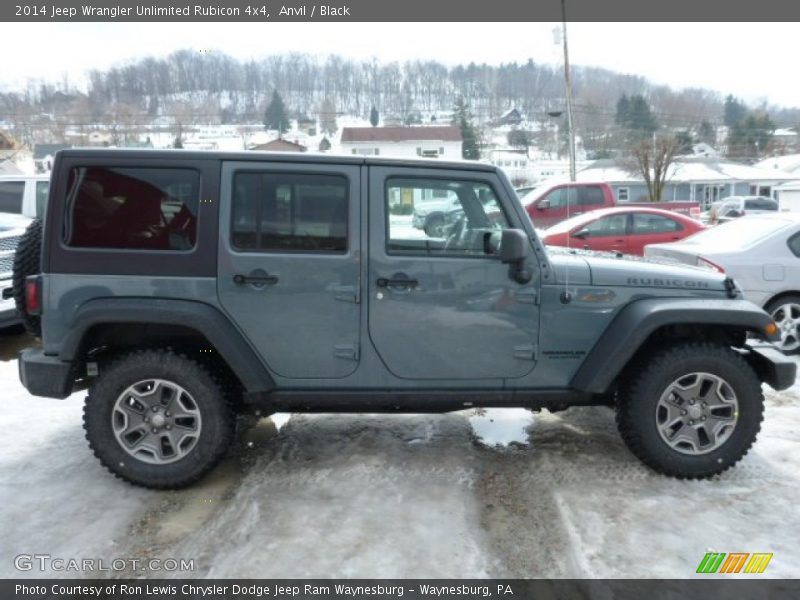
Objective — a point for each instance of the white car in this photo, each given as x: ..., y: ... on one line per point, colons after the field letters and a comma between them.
x: 24, y: 194
x: 734, y: 207
x: 11, y: 229
x: 762, y: 254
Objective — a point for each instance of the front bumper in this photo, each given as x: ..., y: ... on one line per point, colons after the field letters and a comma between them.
x: 775, y: 368
x: 44, y: 375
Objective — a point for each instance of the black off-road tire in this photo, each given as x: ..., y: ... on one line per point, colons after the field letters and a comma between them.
x: 218, y: 418
x: 28, y: 261
x: 647, y: 379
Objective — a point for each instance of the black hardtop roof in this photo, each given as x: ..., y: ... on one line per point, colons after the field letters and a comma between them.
x: 293, y: 157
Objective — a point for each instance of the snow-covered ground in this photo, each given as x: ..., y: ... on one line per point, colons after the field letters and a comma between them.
x: 489, y: 493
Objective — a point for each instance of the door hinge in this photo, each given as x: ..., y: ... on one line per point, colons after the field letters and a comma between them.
x: 525, y: 352
x: 346, y: 351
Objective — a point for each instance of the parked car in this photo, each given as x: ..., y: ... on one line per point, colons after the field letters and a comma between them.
x: 12, y: 228
x: 551, y: 203
x: 186, y: 288
x: 623, y: 229
x: 734, y: 207
x: 432, y: 215
x: 24, y: 194
x: 762, y: 254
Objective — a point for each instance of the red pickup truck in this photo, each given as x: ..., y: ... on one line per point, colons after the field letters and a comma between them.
x: 549, y: 204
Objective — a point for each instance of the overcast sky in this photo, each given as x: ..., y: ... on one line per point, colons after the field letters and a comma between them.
x: 752, y: 60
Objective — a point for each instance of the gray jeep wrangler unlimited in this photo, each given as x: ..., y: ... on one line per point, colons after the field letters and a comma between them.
x: 182, y: 288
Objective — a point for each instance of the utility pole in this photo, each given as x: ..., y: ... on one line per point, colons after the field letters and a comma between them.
x: 568, y: 84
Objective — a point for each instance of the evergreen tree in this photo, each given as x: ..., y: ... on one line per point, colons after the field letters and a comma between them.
x: 641, y: 119
x: 634, y: 115
x: 623, y: 110
x: 275, y: 115
x: 178, y: 143
x: 684, y: 141
x: 707, y: 133
x: 462, y: 118
x: 327, y: 117
x: 750, y: 137
x: 734, y: 111
x: 374, y: 118
x: 519, y: 138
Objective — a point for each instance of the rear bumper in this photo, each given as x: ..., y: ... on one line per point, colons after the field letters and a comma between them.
x: 775, y: 369
x: 44, y: 375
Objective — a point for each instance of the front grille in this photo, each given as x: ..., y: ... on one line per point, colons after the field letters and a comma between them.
x: 9, y: 243
x: 6, y: 264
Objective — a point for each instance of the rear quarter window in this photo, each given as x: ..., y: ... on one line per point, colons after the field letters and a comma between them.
x: 132, y: 208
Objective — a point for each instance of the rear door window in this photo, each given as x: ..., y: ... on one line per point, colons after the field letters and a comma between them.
x: 11, y: 193
x: 644, y: 223
x: 132, y: 208
x: 303, y: 212
x: 590, y: 195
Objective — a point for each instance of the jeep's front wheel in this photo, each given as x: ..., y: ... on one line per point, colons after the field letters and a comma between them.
x: 690, y: 411
x: 158, y: 419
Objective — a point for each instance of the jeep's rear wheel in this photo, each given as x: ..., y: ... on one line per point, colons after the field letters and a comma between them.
x: 27, y: 261
x: 690, y: 411
x: 158, y: 419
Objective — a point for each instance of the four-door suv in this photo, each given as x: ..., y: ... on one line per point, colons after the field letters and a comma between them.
x: 182, y: 288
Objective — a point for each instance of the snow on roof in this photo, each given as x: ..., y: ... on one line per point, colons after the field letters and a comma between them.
x: 401, y: 134
x: 787, y: 162
x: 686, y: 170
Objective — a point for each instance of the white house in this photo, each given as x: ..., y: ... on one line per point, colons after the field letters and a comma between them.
x: 703, y: 180
x: 405, y: 142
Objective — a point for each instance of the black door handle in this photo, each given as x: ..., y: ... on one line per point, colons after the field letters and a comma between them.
x: 398, y: 282
x: 240, y: 279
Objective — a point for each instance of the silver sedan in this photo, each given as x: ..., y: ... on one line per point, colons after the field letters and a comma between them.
x: 762, y: 253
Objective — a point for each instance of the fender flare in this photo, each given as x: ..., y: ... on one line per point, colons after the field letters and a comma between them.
x: 635, y: 322
x: 207, y: 320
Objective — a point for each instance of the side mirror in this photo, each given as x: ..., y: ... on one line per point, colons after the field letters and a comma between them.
x: 543, y: 205
x: 514, y: 249
x: 581, y: 233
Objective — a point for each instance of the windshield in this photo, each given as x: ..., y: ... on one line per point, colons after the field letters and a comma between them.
x: 738, y: 234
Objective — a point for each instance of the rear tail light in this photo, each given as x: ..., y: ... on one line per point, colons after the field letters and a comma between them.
x: 33, y: 295
x: 704, y: 262
x: 694, y: 212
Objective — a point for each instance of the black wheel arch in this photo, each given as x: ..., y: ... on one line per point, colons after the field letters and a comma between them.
x: 643, y: 323
x: 154, y: 322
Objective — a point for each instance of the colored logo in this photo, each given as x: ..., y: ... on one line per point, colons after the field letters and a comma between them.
x: 735, y: 562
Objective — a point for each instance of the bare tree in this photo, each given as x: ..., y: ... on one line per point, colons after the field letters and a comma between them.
x: 651, y: 159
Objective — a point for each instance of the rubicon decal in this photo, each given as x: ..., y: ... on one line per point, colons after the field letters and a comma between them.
x: 734, y: 562
x: 655, y: 281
